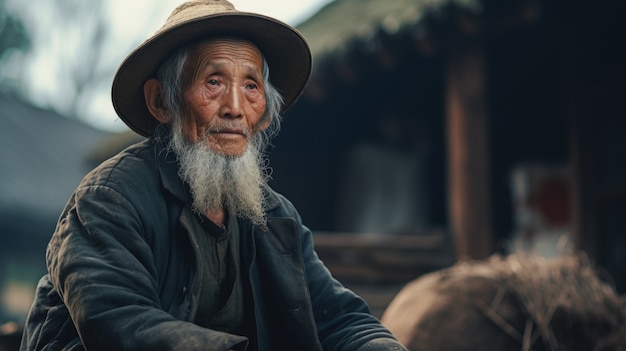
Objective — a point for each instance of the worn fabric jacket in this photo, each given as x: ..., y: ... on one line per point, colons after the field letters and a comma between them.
x: 122, y: 272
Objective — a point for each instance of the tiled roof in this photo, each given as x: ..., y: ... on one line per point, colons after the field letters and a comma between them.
x: 42, y: 156
x: 342, y: 21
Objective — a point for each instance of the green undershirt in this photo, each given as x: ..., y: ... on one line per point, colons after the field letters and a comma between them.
x: 221, y: 301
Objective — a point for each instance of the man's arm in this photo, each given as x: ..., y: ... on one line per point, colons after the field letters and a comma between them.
x: 343, y: 319
x: 103, y: 268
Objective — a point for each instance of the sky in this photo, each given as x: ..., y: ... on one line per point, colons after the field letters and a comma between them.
x: 56, y: 51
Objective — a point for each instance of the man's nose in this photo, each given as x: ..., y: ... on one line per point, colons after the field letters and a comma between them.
x: 232, y: 103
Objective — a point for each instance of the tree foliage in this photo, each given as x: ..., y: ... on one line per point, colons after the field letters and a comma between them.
x: 59, y: 46
x: 13, y: 37
x: 12, y: 33
x: 62, y: 54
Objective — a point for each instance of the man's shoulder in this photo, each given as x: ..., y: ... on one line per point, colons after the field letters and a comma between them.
x: 134, y: 165
x: 277, y: 204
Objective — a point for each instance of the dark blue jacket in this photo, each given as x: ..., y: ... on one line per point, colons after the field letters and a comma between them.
x: 122, y: 267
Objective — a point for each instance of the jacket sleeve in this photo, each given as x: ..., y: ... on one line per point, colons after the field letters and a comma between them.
x: 102, y: 266
x: 343, y: 319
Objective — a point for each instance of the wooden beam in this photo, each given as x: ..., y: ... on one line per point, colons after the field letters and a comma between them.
x: 469, y: 194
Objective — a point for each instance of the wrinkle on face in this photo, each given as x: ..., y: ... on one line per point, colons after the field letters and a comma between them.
x: 224, y: 95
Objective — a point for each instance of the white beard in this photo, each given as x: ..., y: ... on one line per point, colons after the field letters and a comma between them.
x: 222, y: 182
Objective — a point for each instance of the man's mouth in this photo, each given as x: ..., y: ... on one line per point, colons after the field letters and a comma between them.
x: 229, y: 130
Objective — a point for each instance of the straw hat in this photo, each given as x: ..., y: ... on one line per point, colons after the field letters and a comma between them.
x: 284, y: 48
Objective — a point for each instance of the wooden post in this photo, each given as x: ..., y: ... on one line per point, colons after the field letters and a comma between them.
x: 469, y: 192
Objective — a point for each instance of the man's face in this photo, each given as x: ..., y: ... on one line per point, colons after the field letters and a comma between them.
x: 223, y: 95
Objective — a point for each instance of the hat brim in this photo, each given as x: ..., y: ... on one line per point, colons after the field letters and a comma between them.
x: 285, y: 49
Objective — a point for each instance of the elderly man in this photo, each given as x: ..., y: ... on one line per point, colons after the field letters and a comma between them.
x: 177, y: 243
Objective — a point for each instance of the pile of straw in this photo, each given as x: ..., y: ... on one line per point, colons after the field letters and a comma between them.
x: 519, y: 302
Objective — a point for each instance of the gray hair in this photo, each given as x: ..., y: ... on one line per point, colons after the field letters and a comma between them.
x: 170, y: 76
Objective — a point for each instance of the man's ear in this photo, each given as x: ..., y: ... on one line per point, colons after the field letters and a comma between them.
x: 153, y: 94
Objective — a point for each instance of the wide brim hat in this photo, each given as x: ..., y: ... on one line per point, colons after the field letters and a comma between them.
x: 284, y: 48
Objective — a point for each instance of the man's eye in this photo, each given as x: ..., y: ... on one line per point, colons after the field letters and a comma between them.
x: 212, y: 82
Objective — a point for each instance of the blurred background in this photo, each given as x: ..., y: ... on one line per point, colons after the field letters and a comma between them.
x: 432, y: 131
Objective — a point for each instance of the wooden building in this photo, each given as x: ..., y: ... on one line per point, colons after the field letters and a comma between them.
x: 458, y: 94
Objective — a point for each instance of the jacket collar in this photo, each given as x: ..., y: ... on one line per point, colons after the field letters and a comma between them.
x: 167, y: 166
x: 271, y: 199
